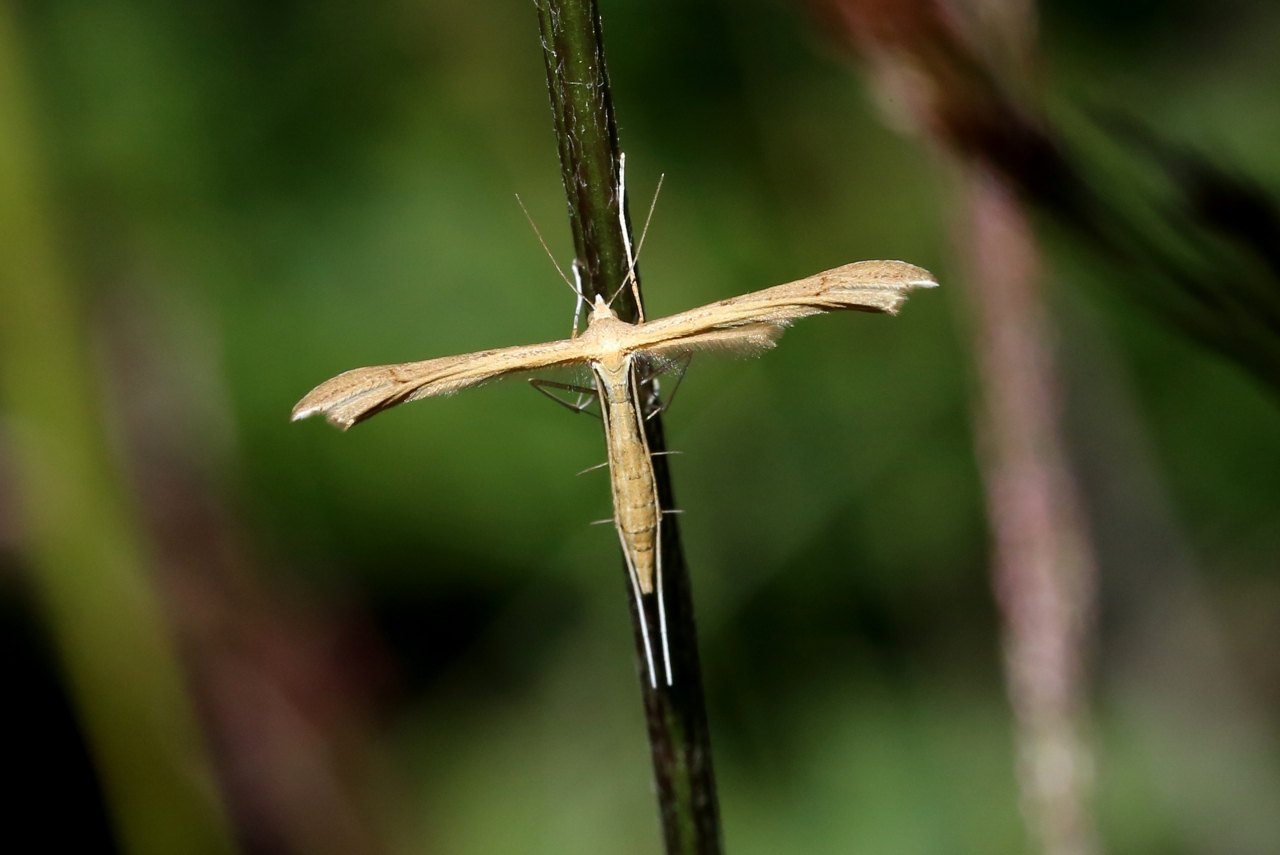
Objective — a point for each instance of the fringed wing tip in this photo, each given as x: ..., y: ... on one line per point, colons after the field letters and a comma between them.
x: 313, y: 402
x: 917, y: 277
x: 903, y: 279
x: 307, y: 407
x: 333, y: 398
x: 301, y: 412
x: 901, y: 273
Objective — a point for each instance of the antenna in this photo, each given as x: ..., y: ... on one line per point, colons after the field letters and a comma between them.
x: 576, y: 285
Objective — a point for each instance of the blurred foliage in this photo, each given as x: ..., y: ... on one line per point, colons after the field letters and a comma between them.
x: 315, y: 186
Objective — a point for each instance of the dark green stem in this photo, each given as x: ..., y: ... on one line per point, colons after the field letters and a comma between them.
x: 87, y: 557
x: 589, y: 158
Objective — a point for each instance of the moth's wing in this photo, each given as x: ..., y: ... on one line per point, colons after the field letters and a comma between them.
x: 355, y: 395
x: 753, y: 322
x: 746, y: 340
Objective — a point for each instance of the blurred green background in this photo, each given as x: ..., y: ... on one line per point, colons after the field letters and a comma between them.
x: 253, y: 195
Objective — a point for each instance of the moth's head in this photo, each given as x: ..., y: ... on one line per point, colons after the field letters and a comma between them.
x: 600, y: 309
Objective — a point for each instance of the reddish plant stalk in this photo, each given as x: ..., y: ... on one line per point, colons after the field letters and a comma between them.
x: 950, y: 72
x: 1043, y: 567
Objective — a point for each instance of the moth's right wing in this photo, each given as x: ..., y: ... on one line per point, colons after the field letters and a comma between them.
x: 355, y: 395
x: 753, y: 322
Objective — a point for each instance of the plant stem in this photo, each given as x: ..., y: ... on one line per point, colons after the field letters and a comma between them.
x: 588, y: 138
x: 1190, y: 241
x: 101, y: 609
x: 1043, y: 568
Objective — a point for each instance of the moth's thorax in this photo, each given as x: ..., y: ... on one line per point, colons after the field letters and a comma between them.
x: 603, y: 315
x: 600, y: 310
x: 609, y: 333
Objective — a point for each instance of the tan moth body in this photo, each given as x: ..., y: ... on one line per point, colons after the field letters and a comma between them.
x: 613, y: 349
x: 635, y: 492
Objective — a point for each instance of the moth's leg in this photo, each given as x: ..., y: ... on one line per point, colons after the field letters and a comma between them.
x: 579, y: 301
x: 655, y: 369
x: 626, y: 236
x: 635, y: 293
x: 678, y: 367
x: 644, y: 620
x: 594, y: 468
x: 586, y: 394
x: 662, y: 602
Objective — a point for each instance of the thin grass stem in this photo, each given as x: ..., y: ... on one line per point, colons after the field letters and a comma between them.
x: 587, y: 134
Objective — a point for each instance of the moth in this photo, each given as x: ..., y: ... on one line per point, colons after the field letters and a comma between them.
x: 617, y: 353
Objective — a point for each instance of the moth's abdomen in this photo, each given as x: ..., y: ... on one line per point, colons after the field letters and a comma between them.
x: 635, y: 492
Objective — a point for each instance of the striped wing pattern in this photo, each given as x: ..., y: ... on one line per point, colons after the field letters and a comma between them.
x: 355, y: 395
x: 753, y: 322
x: 747, y: 324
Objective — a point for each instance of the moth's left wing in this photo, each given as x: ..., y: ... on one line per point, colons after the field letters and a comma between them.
x: 752, y: 322
x: 355, y: 395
